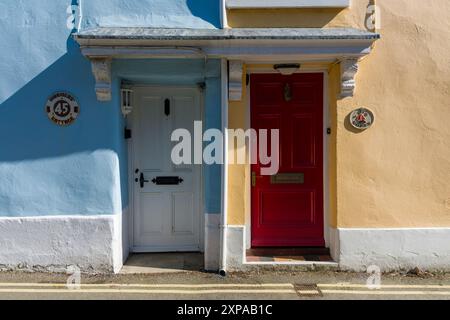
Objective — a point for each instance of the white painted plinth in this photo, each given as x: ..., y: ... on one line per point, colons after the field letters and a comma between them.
x: 394, y: 249
x: 235, y: 248
x: 92, y: 243
x: 357, y: 249
x: 212, y: 242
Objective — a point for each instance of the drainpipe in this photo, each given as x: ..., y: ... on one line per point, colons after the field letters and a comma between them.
x: 223, y: 14
x: 224, y: 220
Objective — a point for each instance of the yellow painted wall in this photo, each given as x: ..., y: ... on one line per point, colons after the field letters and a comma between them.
x: 298, y: 18
x: 396, y: 174
x: 239, y: 174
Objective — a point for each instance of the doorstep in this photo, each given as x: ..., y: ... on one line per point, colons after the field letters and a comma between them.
x: 291, y: 266
x: 155, y: 263
x: 291, y: 258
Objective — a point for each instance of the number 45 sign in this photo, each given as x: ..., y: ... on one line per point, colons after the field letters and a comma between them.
x: 62, y: 109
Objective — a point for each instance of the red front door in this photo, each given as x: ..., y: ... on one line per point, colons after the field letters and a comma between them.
x: 287, y: 209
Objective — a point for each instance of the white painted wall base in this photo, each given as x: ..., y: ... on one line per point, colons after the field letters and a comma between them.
x: 394, y: 249
x: 357, y: 249
x: 333, y: 242
x: 235, y: 248
x: 236, y: 256
x: 125, y: 229
x: 93, y: 243
x: 212, y: 242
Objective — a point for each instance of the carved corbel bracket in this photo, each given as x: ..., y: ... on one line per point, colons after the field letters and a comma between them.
x: 101, y: 68
x: 235, y: 80
x: 349, y: 69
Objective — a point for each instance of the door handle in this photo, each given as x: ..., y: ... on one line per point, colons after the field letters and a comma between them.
x: 167, y: 181
x: 142, y: 180
x: 254, y: 178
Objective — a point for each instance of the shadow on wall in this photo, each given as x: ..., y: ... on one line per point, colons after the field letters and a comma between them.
x: 207, y: 10
x: 31, y: 135
x: 81, y: 169
x: 46, y: 169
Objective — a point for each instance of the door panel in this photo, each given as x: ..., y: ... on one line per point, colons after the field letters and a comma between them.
x: 152, y: 223
x: 303, y: 128
x: 183, y: 213
x: 287, y: 209
x: 149, y: 126
x: 279, y: 209
x: 166, y: 217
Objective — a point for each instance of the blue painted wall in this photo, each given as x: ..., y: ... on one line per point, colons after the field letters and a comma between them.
x: 81, y: 169
x: 156, y: 13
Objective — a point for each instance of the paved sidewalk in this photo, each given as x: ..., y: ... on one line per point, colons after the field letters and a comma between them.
x: 250, y: 286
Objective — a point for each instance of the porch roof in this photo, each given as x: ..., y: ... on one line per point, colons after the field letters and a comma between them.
x: 239, y: 45
x: 246, y: 44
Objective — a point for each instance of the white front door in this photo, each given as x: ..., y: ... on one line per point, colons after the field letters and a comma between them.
x: 166, y: 196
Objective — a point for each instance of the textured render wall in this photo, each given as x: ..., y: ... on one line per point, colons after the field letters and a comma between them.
x: 297, y: 18
x: 81, y: 169
x: 155, y: 13
x: 46, y: 169
x: 238, y: 174
x: 397, y: 173
x: 63, y: 191
x: 60, y: 188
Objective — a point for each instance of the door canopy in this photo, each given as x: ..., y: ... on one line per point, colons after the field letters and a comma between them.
x: 343, y: 45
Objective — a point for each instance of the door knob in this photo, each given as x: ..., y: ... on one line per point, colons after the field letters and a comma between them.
x: 142, y: 180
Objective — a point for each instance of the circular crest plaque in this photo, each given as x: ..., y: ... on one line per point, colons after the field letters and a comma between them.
x: 62, y: 108
x: 362, y: 119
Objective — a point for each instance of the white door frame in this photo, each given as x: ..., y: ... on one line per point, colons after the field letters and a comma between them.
x: 131, y: 171
x: 326, y: 144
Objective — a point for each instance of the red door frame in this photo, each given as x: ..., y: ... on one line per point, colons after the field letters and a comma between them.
x: 323, y: 165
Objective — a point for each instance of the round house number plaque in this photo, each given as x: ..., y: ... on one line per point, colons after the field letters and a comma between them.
x: 62, y: 109
x: 362, y: 119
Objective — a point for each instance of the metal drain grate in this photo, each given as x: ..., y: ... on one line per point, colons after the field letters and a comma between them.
x: 308, y: 290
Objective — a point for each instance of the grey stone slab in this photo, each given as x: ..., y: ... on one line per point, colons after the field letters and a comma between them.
x: 159, y: 34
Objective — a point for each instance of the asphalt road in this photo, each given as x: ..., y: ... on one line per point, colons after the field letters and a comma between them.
x: 245, y: 286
